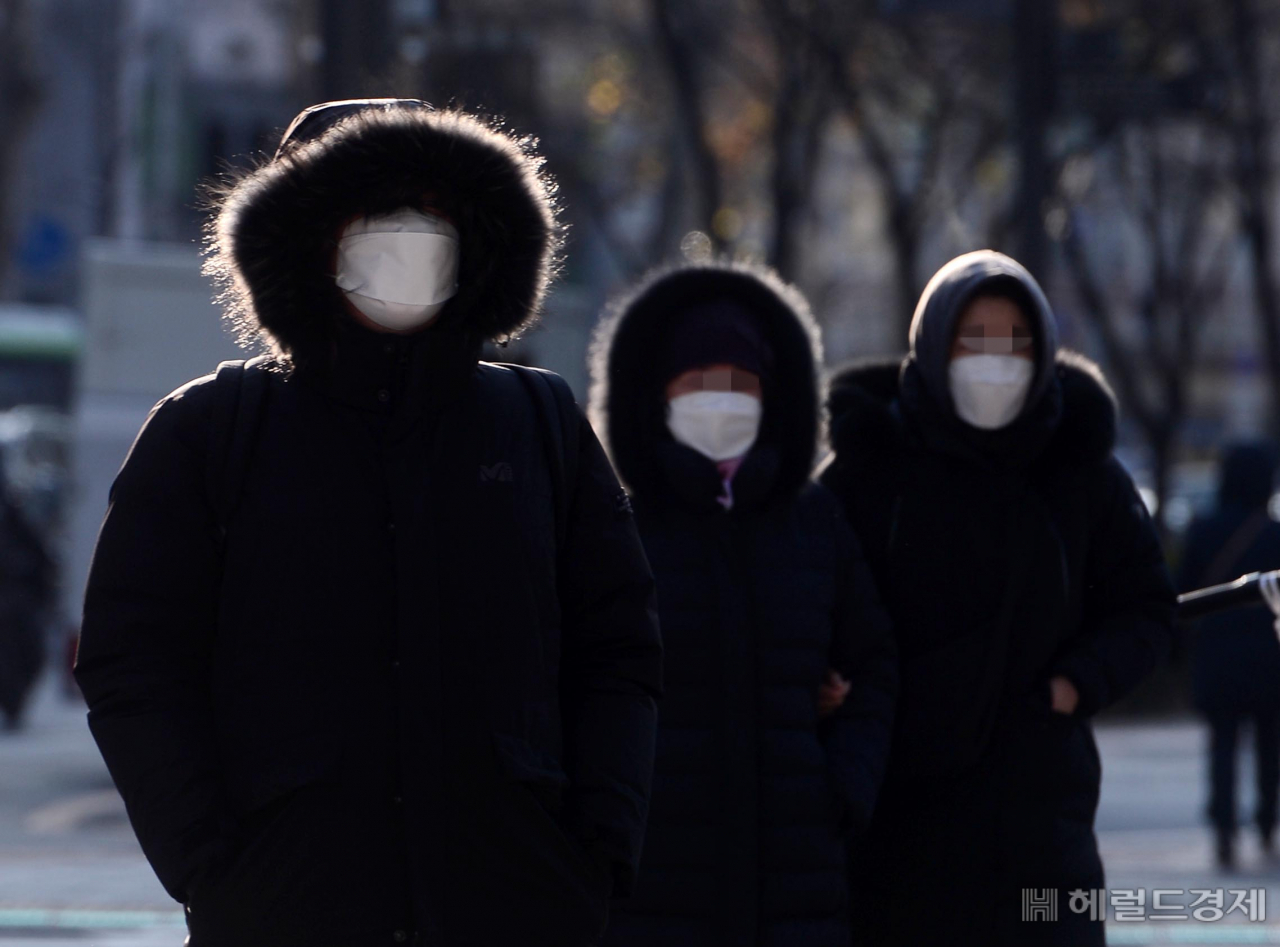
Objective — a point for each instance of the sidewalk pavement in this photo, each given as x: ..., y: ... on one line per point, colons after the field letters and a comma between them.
x: 68, y: 859
x: 1153, y: 835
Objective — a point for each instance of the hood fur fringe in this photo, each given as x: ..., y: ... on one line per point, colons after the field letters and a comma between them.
x: 270, y: 244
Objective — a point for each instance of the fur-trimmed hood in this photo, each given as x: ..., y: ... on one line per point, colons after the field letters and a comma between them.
x: 863, y: 423
x: 271, y: 242
x: 628, y: 404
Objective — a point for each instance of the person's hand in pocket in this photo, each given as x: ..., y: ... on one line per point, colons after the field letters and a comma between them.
x: 1063, y: 696
x: 832, y: 693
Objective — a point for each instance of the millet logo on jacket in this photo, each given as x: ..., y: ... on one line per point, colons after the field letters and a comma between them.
x: 500, y: 471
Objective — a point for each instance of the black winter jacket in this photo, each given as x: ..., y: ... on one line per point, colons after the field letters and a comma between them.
x: 27, y: 576
x: 385, y: 706
x: 1003, y: 560
x: 754, y: 797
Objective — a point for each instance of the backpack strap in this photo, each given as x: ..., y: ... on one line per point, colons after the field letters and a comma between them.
x: 558, y: 419
x: 239, y: 389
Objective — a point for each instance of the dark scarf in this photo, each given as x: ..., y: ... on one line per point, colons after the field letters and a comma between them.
x: 693, y: 481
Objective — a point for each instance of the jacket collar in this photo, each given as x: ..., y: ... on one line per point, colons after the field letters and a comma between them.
x: 395, y: 377
x: 694, y: 482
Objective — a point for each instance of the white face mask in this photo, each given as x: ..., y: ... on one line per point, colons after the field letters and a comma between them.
x: 399, y: 269
x: 990, y: 390
x: 720, y: 425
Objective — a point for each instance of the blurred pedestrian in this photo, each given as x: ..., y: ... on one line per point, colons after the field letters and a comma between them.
x: 707, y: 393
x: 1236, y: 654
x: 26, y: 594
x: 406, y: 692
x: 1027, y: 590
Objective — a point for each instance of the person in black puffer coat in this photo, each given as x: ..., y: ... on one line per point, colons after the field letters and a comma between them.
x: 26, y: 586
x: 1027, y: 591
x: 1236, y: 655
x: 404, y: 691
x: 761, y: 589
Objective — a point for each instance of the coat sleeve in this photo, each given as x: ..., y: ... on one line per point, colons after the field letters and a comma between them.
x: 1129, y: 599
x: 611, y: 666
x: 143, y: 661
x: 856, y: 736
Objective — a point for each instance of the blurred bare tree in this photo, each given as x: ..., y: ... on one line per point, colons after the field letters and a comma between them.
x: 702, y: 117
x: 717, y: 116
x: 686, y: 40
x: 1151, y: 278
x: 925, y: 95
x: 19, y: 99
x: 1147, y: 212
x: 1249, y: 57
x: 703, y: 126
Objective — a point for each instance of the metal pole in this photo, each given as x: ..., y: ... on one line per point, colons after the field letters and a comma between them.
x: 1246, y: 590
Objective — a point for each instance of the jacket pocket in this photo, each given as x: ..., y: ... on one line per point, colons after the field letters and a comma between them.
x: 263, y: 782
x: 524, y: 762
x: 541, y: 773
x: 262, y: 773
x: 543, y: 779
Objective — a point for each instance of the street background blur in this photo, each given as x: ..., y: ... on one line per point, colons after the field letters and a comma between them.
x: 1124, y: 150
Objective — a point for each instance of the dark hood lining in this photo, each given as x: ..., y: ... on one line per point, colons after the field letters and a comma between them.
x: 944, y: 299
x: 270, y: 244
x: 627, y: 403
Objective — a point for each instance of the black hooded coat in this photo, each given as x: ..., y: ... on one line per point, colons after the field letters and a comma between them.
x: 27, y: 576
x: 753, y: 795
x: 1236, y: 656
x: 385, y: 707
x: 1004, y: 558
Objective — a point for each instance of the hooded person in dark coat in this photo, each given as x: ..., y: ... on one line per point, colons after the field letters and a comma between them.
x: 706, y: 391
x: 1027, y: 591
x: 1236, y: 654
x: 391, y: 704
x: 26, y: 586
